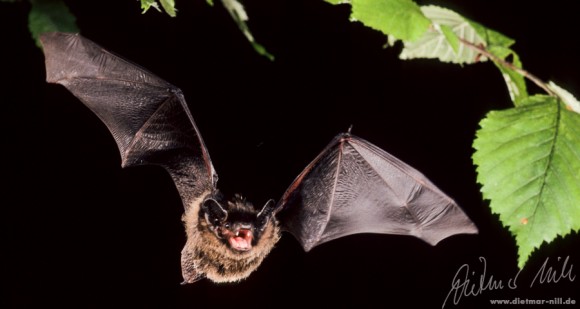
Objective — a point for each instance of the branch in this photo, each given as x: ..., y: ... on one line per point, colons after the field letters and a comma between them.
x: 510, y: 65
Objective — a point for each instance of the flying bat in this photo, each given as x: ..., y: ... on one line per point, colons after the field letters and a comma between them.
x: 351, y: 187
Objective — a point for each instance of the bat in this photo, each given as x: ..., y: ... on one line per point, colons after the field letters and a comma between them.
x: 351, y: 187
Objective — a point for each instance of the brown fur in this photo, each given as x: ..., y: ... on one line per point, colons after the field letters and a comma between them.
x: 205, y: 255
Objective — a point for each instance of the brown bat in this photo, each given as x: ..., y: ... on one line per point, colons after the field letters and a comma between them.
x: 351, y: 187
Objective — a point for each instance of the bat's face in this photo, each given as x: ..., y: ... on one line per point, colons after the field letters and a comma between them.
x: 236, y: 223
x: 226, y: 241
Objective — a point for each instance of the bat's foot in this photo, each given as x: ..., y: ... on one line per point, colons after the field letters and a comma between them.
x: 192, y: 277
x: 196, y: 279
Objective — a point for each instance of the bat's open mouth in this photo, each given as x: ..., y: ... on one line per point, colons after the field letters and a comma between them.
x: 242, y: 240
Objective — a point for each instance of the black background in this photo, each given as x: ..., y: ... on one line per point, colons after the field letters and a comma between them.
x: 81, y: 232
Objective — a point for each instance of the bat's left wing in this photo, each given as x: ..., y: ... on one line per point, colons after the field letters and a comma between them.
x: 355, y: 187
x: 147, y: 116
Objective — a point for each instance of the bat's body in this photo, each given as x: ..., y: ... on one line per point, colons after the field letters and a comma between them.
x: 351, y: 187
x: 206, y: 255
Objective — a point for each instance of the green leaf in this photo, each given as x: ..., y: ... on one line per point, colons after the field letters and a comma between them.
x: 528, y: 162
x: 451, y: 37
x: 449, y: 29
x: 168, y: 6
x: 49, y: 16
x: 567, y: 98
x: 442, y: 41
x: 335, y: 2
x: 515, y: 81
x: 147, y: 4
x: 238, y: 13
x: 402, y: 19
x: 260, y: 49
x: 491, y: 37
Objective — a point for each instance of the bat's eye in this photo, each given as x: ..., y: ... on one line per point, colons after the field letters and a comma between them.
x: 227, y: 225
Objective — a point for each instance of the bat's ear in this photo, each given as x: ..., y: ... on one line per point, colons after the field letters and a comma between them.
x: 265, y: 214
x: 214, y: 212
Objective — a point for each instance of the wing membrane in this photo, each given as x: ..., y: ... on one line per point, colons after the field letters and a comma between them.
x: 355, y: 187
x: 148, y: 117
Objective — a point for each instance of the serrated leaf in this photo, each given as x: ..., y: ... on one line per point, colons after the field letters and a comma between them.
x: 567, y: 98
x: 238, y: 13
x: 442, y: 41
x: 49, y: 16
x: 528, y: 163
x: 402, y: 19
x: 515, y: 81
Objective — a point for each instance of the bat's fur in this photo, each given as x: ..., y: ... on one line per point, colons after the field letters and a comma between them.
x: 204, y: 255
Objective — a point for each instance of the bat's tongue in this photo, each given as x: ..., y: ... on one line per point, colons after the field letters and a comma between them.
x: 242, y: 241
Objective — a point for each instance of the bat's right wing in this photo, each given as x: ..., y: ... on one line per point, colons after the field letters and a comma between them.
x: 147, y: 116
x: 355, y: 187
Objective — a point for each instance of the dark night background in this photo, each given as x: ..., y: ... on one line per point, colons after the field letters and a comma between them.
x: 78, y: 231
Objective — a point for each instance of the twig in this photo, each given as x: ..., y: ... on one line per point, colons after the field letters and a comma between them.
x: 510, y: 65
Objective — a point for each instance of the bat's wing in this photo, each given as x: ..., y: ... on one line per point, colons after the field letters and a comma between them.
x: 147, y: 116
x: 355, y: 187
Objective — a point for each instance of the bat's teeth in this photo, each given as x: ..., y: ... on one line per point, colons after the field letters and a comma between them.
x: 237, y: 233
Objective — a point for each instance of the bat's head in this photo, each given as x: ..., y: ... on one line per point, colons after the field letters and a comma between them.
x: 237, y: 223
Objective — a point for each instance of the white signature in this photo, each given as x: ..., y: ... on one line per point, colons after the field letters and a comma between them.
x: 467, y: 283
